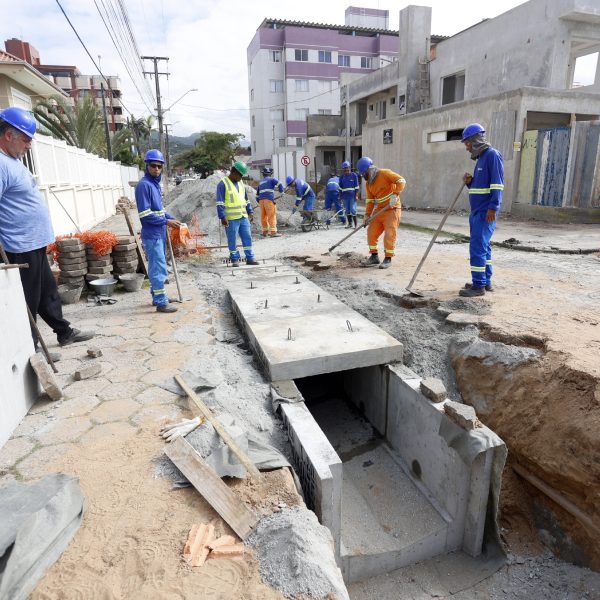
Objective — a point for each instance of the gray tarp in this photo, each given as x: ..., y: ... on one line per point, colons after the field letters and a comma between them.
x: 37, y: 523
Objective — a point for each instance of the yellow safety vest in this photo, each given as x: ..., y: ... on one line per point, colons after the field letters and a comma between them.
x: 235, y: 200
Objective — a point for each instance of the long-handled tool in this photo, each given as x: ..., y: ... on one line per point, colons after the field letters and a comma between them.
x: 172, y: 254
x: 367, y: 221
x: 448, y: 210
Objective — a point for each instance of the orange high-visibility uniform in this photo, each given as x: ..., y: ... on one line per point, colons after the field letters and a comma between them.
x: 386, y: 187
x: 268, y: 216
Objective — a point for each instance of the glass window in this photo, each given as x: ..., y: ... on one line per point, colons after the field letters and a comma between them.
x: 343, y: 60
x: 453, y: 88
x: 301, y: 55
x: 301, y: 114
x: 301, y: 85
x: 366, y: 62
x: 277, y: 114
x: 275, y: 55
x: 276, y: 85
x: 282, y: 142
x: 300, y: 141
x: 324, y: 111
x: 324, y: 56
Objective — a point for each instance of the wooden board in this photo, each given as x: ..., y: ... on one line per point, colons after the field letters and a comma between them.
x: 140, y: 250
x: 233, y: 511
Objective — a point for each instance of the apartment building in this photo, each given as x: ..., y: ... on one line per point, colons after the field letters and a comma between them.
x: 295, y: 69
x: 76, y: 85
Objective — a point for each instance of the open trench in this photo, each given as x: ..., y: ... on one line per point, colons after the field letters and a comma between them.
x: 547, y: 413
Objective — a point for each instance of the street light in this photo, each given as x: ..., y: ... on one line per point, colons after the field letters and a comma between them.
x: 179, y: 99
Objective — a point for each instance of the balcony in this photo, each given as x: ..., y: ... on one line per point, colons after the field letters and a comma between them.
x: 82, y: 82
x: 63, y: 82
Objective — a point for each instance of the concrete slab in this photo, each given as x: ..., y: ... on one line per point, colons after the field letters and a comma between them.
x: 298, y: 330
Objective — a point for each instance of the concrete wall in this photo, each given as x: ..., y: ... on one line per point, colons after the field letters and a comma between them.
x: 18, y: 384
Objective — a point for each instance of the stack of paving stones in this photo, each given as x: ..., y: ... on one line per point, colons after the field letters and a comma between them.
x: 99, y: 267
x: 125, y: 258
x: 72, y: 261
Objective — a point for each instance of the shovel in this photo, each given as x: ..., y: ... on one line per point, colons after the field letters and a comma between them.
x: 172, y: 254
x: 450, y: 207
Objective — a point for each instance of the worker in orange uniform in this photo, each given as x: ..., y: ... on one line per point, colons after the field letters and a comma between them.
x: 383, y: 202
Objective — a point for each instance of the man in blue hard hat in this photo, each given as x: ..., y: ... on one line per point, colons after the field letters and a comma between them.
x: 332, y: 199
x: 235, y: 213
x: 486, y: 185
x: 350, y: 189
x: 154, y: 220
x: 26, y: 228
x: 266, y: 200
x: 305, y: 194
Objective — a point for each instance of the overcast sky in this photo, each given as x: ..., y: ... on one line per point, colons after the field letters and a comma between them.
x: 205, y: 40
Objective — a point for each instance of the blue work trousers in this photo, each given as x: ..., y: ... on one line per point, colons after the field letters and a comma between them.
x: 332, y: 200
x: 349, y: 204
x: 480, y: 249
x: 241, y: 227
x: 157, y: 269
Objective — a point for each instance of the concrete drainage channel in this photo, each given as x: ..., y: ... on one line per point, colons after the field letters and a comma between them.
x: 384, y: 468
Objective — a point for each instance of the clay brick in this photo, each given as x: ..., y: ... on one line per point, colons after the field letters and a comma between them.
x: 87, y: 372
x: 434, y: 389
x: 45, y: 376
x: 196, y: 548
x: 234, y: 550
x: 224, y: 540
x: 94, y: 352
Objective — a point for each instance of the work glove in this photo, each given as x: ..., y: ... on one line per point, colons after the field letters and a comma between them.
x: 170, y: 432
x: 224, y: 221
x: 393, y: 202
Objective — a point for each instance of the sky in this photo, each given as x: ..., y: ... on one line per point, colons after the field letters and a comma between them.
x: 205, y: 41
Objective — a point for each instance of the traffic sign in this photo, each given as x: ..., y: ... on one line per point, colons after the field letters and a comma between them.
x: 305, y: 160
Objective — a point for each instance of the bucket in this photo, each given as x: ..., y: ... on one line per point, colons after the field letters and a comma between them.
x: 69, y: 294
x: 103, y: 287
x: 132, y: 282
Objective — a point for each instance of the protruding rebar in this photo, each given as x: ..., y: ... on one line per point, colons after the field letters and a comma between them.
x: 318, y: 297
x: 289, y: 334
x: 349, y: 325
x: 266, y: 304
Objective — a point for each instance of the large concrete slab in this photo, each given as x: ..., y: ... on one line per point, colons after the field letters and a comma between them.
x: 298, y: 330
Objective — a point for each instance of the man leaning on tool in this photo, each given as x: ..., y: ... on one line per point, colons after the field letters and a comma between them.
x: 383, y: 207
x: 266, y: 201
x: 26, y: 228
x: 235, y: 213
x: 154, y: 220
x: 485, y: 197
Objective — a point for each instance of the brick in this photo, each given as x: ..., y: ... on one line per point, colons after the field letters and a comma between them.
x: 100, y: 270
x: 101, y: 262
x: 71, y: 243
x: 196, y: 548
x: 67, y: 268
x: 63, y: 260
x: 460, y: 318
x: 75, y: 254
x: 45, y: 376
x: 462, y: 414
x: 126, y: 263
x: 125, y: 239
x: 234, y: 550
x: 94, y: 352
x: 119, y: 248
x: 224, y: 540
x: 87, y: 372
x: 434, y: 389
x: 74, y: 272
x: 91, y: 255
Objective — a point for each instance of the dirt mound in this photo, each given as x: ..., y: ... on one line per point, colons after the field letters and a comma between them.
x: 549, y: 416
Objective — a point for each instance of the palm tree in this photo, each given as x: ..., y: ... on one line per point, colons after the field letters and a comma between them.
x: 80, y: 126
x: 141, y: 129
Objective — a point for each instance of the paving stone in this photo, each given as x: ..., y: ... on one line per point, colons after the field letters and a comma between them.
x: 126, y: 373
x: 460, y: 318
x: 109, y: 341
x: 125, y: 264
x: 156, y: 395
x: 122, y: 391
x: 77, y: 407
x: 108, y: 433
x: 71, y: 273
x: 114, y: 410
x: 43, y: 404
x: 70, y: 243
x: 462, y: 414
x: 137, y: 344
x: 170, y: 362
x: 94, y: 352
x: 166, y: 348
x: 13, y: 450
x: 62, y: 430
x: 434, y: 389
x: 30, y: 424
x: 156, y: 376
x: 67, y: 366
x: 39, y: 462
x: 100, y: 270
x: 444, y: 312
x: 45, y: 376
x: 101, y: 262
x: 87, y: 387
x: 88, y: 371
x: 120, y: 248
x: 158, y: 414
x: 71, y: 263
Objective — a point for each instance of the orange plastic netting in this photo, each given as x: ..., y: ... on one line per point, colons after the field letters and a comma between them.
x: 101, y: 242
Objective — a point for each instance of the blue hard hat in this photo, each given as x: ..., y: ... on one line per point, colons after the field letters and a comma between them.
x: 472, y: 129
x: 267, y: 171
x: 289, y: 180
x: 345, y: 165
x: 154, y: 154
x: 363, y: 164
x: 20, y: 119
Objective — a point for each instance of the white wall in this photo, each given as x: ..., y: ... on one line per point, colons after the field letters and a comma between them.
x: 18, y: 385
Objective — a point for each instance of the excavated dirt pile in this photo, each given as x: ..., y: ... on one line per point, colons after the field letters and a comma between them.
x: 549, y: 416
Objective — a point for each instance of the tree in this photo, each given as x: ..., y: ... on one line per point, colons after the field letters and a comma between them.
x: 212, y: 150
x: 141, y: 128
x: 80, y: 126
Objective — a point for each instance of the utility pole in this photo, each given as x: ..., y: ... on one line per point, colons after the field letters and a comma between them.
x: 159, y: 110
x: 167, y: 158
x: 106, y: 132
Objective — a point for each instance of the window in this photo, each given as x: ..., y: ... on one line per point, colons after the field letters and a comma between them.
x: 301, y: 114
x: 277, y: 114
x: 276, y: 86
x: 453, y: 88
x: 380, y: 109
x: 251, y: 94
x: 301, y: 85
x: 324, y: 111
x: 282, y: 142
x: 366, y: 62
x: 275, y: 55
x: 301, y: 55
x: 343, y: 60
x: 584, y: 72
x: 300, y: 142
x: 253, y: 121
x: 324, y: 56
x: 325, y: 85
x: 445, y: 136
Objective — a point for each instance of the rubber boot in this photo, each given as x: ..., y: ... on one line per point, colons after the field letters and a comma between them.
x: 387, y: 263
x: 373, y: 260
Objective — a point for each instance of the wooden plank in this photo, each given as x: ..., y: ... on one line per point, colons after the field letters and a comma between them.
x: 233, y: 511
x: 140, y: 250
x: 207, y: 414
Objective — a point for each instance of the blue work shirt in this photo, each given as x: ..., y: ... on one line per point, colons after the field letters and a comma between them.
x: 153, y: 216
x: 303, y: 191
x: 349, y: 185
x: 266, y: 188
x: 487, y: 185
x: 25, y: 223
x: 332, y: 189
x: 221, y: 198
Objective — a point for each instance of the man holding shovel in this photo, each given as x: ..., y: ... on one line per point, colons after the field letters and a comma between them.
x: 266, y: 201
x: 383, y: 204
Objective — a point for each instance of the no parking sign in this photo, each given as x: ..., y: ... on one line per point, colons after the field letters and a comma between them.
x: 305, y: 160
